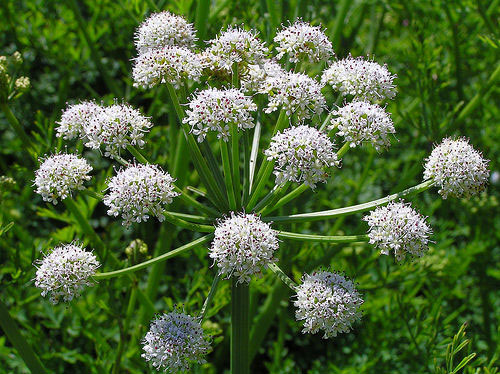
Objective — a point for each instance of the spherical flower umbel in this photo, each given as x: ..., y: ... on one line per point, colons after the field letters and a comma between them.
x: 328, y: 302
x: 164, y: 29
x: 234, y: 45
x: 65, y: 272
x: 253, y: 78
x: 169, y: 64
x: 139, y: 191
x: 300, y: 40
x: 175, y: 341
x: 59, y: 175
x: 296, y: 93
x: 363, y: 79
x: 302, y: 154
x: 243, y: 245
x: 400, y: 228
x: 75, y: 118
x: 360, y: 122
x: 216, y: 110
x: 457, y: 168
x: 116, y: 127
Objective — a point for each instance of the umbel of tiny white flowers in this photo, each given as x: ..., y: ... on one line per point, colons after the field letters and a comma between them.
x: 164, y: 29
x: 59, y: 175
x: 297, y: 93
x: 327, y: 302
x: 302, y: 154
x: 457, y: 168
x: 302, y: 41
x: 75, y: 117
x: 139, y: 191
x: 235, y: 45
x: 216, y: 110
x: 174, y: 341
x: 399, y: 228
x: 253, y: 79
x: 243, y: 245
x: 65, y: 271
x: 169, y: 64
x: 360, y: 121
x: 365, y: 80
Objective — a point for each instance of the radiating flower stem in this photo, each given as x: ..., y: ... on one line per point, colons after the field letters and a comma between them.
x: 281, y: 275
x: 192, y: 201
x: 240, y: 327
x: 187, y: 225
x: 322, y: 238
x: 137, y: 154
x: 93, y: 194
x: 253, y: 155
x: 227, y: 174
x: 208, y: 300
x: 163, y: 257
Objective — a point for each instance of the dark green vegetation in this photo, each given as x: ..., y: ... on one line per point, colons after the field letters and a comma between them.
x: 446, y: 55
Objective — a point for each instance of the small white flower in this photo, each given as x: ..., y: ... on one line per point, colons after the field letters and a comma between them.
x: 243, y: 245
x: 365, y: 80
x: 360, y: 122
x: 59, y: 175
x: 328, y: 302
x: 175, y: 341
x: 457, y: 168
x: 302, y: 154
x: 301, y: 40
x: 74, y: 118
x: 65, y: 272
x: 116, y: 127
x: 253, y: 79
x: 400, y: 228
x: 234, y: 45
x: 138, y: 191
x: 168, y: 64
x: 162, y: 30
x: 296, y: 93
x: 216, y: 110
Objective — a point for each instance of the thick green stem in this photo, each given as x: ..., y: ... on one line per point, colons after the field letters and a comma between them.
x: 228, y: 175
x: 282, y: 276
x: 323, y: 238
x: 9, y: 327
x: 235, y: 154
x: 176, y: 221
x: 240, y: 327
x: 208, y: 300
x: 137, y: 154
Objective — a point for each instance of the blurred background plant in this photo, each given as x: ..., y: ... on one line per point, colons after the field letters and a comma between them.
x: 446, y: 56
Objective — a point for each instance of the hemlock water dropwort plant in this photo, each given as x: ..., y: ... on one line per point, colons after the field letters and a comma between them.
x: 225, y: 96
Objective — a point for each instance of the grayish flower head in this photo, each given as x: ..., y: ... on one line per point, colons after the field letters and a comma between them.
x: 327, y: 302
x: 65, y: 271
x: 457, y: 168
x: 59, y: 175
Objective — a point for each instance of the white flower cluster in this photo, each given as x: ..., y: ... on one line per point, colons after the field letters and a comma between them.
x: 365, y: 80
x: 243, y: 246
x: 329, y: 302
x: 59, y: 175
x: 65, y: 272
x: 254, y: 77
x: 175, y: 341
x: 74, y: 118
x: 169, y: 64
x: 139, y: 190
x: 164, y: 29
x: 301, y: 40
x: 296, y: 93
x: 457, y: 168
x: 216, y: 110
x: 400, y: 228
x: 116, y: 127
x: 360, y: 122
x: 234, y: 45
x: 302, y: 154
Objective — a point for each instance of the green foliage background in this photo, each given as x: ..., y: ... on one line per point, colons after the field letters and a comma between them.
x: 446, y: 56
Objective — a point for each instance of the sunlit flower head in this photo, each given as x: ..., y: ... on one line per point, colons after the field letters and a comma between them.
x: 254, y: 77
x: 243, y: 245
x: 75, y: 117
x: 65, y: 271
x: 327, y: 302
x: 360, y: 122
x: 139, y: 191
x: 174, y: 342
x: 303, y: 154
x: 363, y: 79
x: 59, y: 175
x: 457, y: 168
x: 399, y: 228
x: 217, y: 109
x: 302, y: 41
x: 164, y: 29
